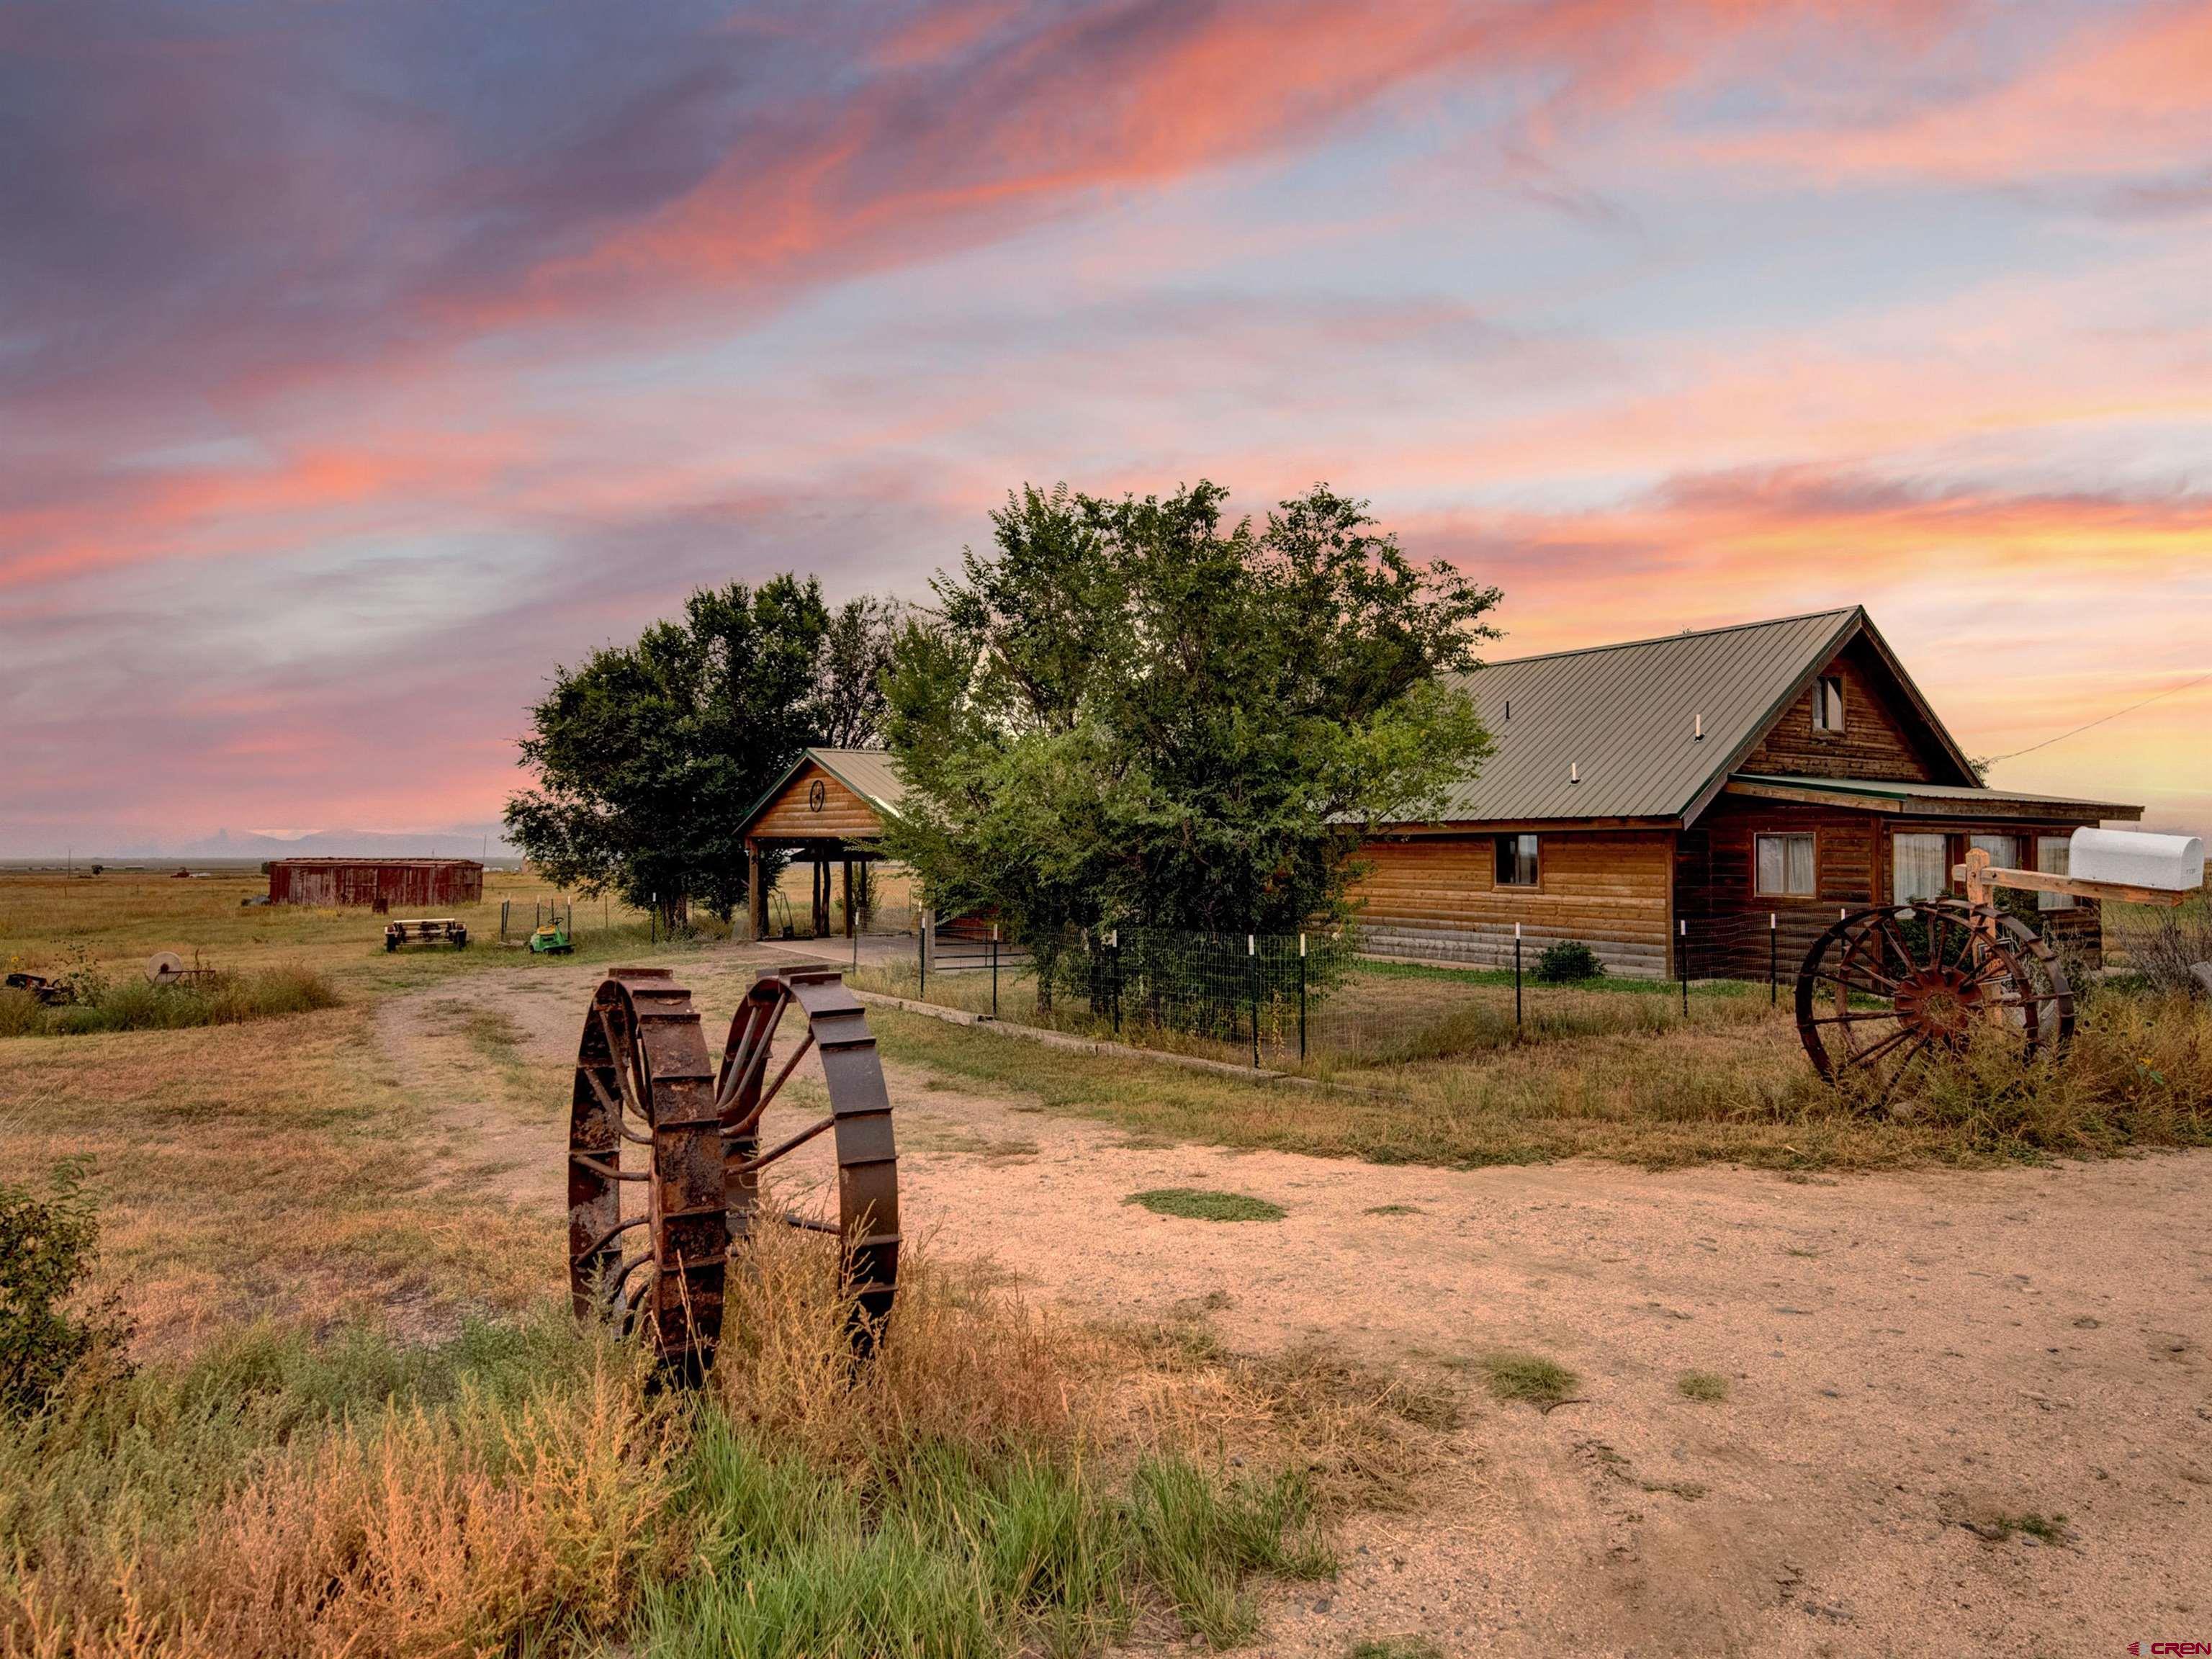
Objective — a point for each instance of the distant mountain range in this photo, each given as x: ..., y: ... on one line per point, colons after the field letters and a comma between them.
x: 461, y: 842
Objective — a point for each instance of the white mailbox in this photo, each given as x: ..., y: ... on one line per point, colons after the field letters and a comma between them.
x: 2133, y: 858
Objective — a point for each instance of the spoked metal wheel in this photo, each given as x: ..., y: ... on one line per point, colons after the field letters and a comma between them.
x: 759, y: 1131
x: 648, y: 1237
x: 1886, y: 991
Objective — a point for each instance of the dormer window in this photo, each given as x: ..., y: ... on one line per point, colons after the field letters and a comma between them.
x: 1828, y: 703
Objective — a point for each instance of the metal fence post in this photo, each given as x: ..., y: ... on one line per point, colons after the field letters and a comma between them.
x: 1683, y: 963
x: 1114, y: 943
x: 1252, y: 958
x: 1517, y: 976
x: 1773, y: 959
x: 1301, y: 997
x: 995, y: 970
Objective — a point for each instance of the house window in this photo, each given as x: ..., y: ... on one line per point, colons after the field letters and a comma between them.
x: 1828, y: 703
x: 2003, y: 850
x: 1920, y: 868
x: 1785, y: 867
x: 2054, y: 857
x: 1516, y: 861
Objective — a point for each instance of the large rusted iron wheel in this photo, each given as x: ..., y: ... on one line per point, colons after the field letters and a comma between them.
x: 1887, y: 990
x: 649, y: 1231
x: 866, y: 1220
x: 647, y: 1237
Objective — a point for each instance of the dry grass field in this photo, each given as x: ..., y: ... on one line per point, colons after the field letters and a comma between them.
x: 1813, y: 1406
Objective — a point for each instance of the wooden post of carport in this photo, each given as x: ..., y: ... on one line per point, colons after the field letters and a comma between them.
x: 756, y: 895
x: 847, y: 879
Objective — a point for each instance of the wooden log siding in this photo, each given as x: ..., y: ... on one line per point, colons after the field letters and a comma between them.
x: 1716, y: 876
x: 1874, y: 743
x: 844, y: 814
x: 1436, y: 896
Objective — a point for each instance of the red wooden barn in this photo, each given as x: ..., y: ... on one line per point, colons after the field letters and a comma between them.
x: 425, y: 884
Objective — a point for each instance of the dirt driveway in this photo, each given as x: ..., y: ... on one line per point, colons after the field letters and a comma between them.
x: 1916, y: 1365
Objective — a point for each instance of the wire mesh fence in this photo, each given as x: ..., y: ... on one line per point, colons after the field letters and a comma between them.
x: 1317, y: 1001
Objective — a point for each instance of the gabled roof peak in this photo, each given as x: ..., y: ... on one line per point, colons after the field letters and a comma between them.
x: 1649, y: 730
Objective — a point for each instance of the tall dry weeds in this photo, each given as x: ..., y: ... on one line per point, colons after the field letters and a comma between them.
x: 995, y: 1479
x: 418, y: 1529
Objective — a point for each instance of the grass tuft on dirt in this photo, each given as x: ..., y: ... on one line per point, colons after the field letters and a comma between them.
x: 1530, y: 1378
x: 1707, y: 1387
x: 1203, y: 1204
x: 1394, y: 1647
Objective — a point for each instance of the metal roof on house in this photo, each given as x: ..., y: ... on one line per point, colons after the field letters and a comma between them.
x: 1610, y: 732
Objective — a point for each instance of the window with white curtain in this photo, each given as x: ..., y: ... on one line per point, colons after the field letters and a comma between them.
x: 1784, y: 867
x: 1920, y: 868
x: 2003, y: 850
x: 2054, y: 856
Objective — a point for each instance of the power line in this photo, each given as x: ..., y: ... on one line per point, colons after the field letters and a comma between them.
x: 2155, y: 696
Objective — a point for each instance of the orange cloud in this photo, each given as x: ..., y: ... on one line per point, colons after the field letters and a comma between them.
x: 2008, y: 609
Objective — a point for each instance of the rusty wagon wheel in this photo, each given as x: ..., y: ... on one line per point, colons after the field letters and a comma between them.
x: 1883, y: 990
x: 866, y: 1220
x: 649, y: 1232
x: 648, y: 1237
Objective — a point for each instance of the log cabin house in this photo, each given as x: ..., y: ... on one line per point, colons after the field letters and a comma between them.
x: 1660, y: 800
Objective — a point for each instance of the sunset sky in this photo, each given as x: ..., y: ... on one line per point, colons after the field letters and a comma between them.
x: 360, y: 362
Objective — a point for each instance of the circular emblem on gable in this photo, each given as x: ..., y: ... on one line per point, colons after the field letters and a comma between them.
x: 816, y: 795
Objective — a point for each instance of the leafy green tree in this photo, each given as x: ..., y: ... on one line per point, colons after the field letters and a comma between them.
x: 855, y: 660
x: 1126, y: 712
x: 648, y: 755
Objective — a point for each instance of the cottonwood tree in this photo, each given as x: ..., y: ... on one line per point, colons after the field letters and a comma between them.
x: 1124, y: 713
x: 648, y: 755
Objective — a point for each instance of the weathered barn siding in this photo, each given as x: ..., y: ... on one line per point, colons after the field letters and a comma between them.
x: 1436, y: 896
x: 377, y: 884
x: 842, y: 814
x: 1875, y: 742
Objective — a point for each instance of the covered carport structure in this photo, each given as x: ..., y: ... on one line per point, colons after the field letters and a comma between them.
x: 828, y: 812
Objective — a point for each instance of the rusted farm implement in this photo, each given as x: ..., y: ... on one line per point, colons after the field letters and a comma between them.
x: 52, y: 992
x: 168, y: 968
x: 1886, y: 988
x: 650, y: 1231
x: 432, y: 930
